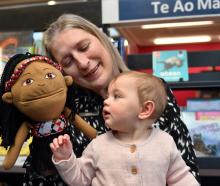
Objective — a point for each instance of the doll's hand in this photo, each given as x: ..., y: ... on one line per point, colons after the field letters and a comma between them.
x: 61, y: 147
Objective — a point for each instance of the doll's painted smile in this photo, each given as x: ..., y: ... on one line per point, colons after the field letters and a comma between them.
x: 51, y: 94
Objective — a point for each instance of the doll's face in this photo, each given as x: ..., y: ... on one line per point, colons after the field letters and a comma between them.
x: 40, y: 91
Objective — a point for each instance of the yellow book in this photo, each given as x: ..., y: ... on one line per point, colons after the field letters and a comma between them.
x: 24, y: 150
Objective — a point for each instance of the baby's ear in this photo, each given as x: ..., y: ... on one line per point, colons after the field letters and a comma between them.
x: 69, y: 80
x: 7, y: 97
x: 147, y: 110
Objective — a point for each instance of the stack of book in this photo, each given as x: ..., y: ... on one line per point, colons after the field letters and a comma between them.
x: 202, y: 118
x: 24, y: 150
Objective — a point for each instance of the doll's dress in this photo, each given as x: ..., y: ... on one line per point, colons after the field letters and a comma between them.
x: 43, y: 133
x: 47, y: 128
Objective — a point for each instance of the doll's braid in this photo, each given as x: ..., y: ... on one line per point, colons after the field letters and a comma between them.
x: 11, y: 118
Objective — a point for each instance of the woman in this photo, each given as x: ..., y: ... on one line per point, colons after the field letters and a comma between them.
x: 87, y: 54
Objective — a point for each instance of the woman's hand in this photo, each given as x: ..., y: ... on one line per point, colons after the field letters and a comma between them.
x: 61, y: 147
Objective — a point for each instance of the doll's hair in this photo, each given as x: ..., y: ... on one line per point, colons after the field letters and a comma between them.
x: 11, y: 118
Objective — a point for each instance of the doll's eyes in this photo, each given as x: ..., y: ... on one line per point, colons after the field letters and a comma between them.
x: 50, y: 76
x: 28, y: 82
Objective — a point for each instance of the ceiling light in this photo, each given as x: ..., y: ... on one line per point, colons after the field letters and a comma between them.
x: 113, y: 32
x: 126, y: 42
x: 179, y: 24
x: 37, y: 3
x: 51, y: 3
x: 178, y: 40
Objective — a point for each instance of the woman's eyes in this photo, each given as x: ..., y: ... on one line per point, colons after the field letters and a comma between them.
x: 69, y: 59
x: 84, y: 47
x: 66, y: 62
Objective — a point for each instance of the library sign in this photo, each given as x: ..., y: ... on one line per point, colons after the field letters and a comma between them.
x: 131, y: 10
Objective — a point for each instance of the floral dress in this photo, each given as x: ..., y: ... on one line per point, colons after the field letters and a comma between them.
x: 89, y: 106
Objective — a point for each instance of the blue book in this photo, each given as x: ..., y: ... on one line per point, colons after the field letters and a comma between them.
x: 203, y: 104
x: 172, y: 66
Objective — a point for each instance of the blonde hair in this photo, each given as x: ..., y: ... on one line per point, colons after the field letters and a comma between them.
x: 68, y: 21
x: 149, y: 87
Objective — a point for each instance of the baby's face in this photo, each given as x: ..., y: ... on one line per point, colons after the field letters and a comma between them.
x: 122, y: 106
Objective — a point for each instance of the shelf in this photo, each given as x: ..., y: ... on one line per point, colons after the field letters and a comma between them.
x: 205, y: 79
x: 201, y: 80
x: 209, y: 172
x: 209, y: 163
x: 195, y: 85
x: 209, y: 166
x: 17, y: 167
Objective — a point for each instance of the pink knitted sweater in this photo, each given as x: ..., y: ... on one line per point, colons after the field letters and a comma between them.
x: 108, y: 162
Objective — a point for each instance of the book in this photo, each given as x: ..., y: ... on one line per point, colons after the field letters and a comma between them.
x: 12, y: 43
x: 205, y: 134
x: 172, y: 65
x: 38, y: 47
x: 24, y: 150
x: 203, y: 104
x: 2, y: 66
x: 211, y: 115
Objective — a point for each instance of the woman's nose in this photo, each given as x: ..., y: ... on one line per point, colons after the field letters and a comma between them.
x: 82, y: 61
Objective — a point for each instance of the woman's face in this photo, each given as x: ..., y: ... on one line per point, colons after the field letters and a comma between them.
x: 84, y: 57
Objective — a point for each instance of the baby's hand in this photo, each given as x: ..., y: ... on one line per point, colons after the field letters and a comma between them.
x: 61, y: 147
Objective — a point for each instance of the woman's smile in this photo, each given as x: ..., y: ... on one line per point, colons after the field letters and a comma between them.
x: 93, y: 73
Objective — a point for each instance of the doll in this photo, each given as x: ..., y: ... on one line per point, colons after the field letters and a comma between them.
x: 34, y: 103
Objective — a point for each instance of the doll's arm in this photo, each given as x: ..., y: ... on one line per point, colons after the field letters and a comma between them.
x: 15, y: 149
x: 81, y: 124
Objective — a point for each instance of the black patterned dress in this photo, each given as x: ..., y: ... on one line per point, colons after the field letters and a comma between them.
x: 171, y: 123
x: 89, y: 106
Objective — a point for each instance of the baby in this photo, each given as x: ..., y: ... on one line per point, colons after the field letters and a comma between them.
x: 133, y: 152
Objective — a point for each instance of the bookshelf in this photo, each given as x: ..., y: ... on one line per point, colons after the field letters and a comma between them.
x: 17, y: 168
x: 203, y: 80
